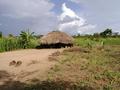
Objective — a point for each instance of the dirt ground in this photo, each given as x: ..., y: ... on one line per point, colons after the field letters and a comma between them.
x: 35, y: 64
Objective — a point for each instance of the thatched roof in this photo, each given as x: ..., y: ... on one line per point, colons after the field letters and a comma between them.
x: 56, y: 37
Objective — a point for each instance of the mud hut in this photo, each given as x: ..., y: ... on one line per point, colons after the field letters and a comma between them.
x: 56, y: 39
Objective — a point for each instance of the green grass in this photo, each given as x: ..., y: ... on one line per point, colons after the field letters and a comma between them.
x: 93, y: 41
x: 111, y: 41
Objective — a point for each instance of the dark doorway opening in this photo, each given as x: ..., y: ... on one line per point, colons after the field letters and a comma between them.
x: 57, y: 45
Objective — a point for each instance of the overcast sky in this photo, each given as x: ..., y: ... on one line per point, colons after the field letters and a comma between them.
x: 71, y: 16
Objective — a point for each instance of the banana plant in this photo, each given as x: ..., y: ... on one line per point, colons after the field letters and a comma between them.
x: 25, y: 37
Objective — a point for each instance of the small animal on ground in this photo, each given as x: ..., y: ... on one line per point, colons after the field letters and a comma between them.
x: 18, y: 63
x: 12, y: 63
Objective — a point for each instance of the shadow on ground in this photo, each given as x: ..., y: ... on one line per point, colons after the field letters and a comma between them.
x: 38, y: 85
x: 4, y: 74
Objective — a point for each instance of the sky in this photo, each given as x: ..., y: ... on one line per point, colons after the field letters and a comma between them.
x: 70, y: 16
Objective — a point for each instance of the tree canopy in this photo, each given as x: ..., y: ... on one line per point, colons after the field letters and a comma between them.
x: 107, y: 32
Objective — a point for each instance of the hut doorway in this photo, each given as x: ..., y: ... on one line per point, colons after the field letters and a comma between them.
x: 56, y: 45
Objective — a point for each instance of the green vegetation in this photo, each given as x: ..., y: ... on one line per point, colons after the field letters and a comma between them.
x: 106, y: 37
x: 84, y: 41
x: 25, y: 40
x: 0, y: 34
x: 107, y: 32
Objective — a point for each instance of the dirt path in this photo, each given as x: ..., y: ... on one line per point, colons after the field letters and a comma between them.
x: 35, y: 64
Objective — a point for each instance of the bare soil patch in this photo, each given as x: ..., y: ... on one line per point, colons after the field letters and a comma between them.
x: 25, y: 64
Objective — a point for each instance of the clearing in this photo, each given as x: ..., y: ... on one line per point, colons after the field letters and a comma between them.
x: 35, y: 64
x: 76, y: 68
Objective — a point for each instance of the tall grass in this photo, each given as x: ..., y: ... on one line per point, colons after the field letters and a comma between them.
x: 14, y: 43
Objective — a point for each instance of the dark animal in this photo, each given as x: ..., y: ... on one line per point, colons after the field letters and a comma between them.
x: 18, y: 63
x: 12, y: 63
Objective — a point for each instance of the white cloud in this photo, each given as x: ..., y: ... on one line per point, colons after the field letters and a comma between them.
x: 33, y: 14
x: 106, y: 13
x: 25, y: 8
x: 70, y: 20
x: 89, y: 29
x: 67, y: 12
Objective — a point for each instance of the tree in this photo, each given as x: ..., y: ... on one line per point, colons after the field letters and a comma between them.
x: 25, y: 37
x: 0, y: 34
x: 107, y: 32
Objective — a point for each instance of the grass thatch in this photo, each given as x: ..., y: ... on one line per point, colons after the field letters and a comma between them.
x: 56, y: 37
